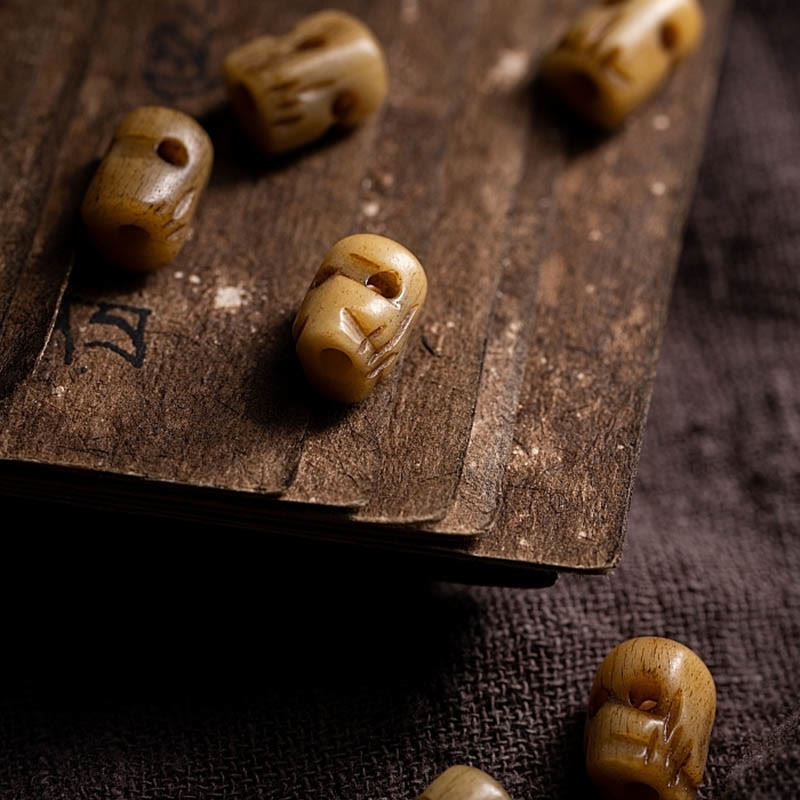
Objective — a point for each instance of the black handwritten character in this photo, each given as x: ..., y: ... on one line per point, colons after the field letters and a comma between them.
x: 105, y: 316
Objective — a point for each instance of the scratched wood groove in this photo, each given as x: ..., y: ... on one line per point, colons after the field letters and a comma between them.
x: 507, y: 443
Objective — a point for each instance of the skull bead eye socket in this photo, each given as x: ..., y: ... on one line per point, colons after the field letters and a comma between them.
x: 387, y: 283
x: 644, y: 693
x: 173, y: 151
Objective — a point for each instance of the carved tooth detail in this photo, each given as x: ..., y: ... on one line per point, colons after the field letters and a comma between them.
x: 184, y: 204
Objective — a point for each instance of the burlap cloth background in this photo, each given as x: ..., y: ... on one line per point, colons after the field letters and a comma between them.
x: 135, y: 672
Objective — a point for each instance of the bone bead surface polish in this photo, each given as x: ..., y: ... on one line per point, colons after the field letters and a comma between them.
x: 618, y: 52
x: 464, y: 783
x: 140, y: 203
x: 651, y: 710
x: 288, y: 91
x: 357, y: 315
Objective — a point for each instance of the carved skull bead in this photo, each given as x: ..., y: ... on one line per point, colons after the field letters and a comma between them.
x: 357, y: 315
x: 618, y: 52
x: 140, y: 203
x: 287, y: 91
x: 464, y: 783
x: 651, y: 710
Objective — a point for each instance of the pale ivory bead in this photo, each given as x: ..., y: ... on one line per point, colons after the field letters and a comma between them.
x: 651, y: 711
x: 358, y: 314
x: 618, y: 52
x: 288, y: 91
x: 140, y: 203
x: 464, y: 783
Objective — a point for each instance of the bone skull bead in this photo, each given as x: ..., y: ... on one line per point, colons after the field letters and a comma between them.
x: 140, y: 203
x: 464, y: 783
x: 357, y: 315
x: 618, y: 52
x: 651, y: 710
x: 287, y: 91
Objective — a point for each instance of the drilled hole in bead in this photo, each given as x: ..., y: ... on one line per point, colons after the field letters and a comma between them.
x: 386, y: 283
x: 174, y: 152
x: 132, y: 235
x: 639, y: 791
x: 669, y: 36
x: 334, y: 361
x: 644, y: 693
x: 344, y: 104
x: 312, y: 43
x: 582, y: 88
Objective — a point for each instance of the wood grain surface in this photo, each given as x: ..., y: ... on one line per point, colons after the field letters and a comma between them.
x: 507, y: 439
x: 42, y: 70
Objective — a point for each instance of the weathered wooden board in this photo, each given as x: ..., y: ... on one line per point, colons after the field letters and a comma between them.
x: 206, y: 391
x: 513, y: 424
x: 601, y: 308
x: 513, y: 316
x: 40, y: 76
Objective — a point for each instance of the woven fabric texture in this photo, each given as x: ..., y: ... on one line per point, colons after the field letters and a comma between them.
x: 168, y: 677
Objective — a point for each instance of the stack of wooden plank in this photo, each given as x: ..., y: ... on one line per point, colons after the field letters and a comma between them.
x: 508, y: 437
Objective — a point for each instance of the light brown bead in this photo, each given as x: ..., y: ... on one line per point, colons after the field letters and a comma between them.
x: 464, y: 783
x: 618, y: 52
x: 357, y: 315
x: 288, y: 91
x: 140, y: 203
x: 651, y: 710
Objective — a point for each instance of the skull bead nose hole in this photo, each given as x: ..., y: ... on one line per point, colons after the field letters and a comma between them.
x: 639, y: 791
x: 312, y: 43
x: 582, y: 88
x: 334, y: 361
x: 386, y: 283
x: 173, y: 151
x: 669, y: 36
x: 132, y: 235
x: 644, y: 693
x: 343, y: 105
